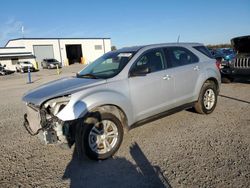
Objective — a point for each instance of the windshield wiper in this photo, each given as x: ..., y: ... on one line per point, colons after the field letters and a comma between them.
x: 86, y: 76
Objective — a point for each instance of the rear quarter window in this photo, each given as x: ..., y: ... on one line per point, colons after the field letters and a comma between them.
x: 179, y: 56
x: 204, y: 50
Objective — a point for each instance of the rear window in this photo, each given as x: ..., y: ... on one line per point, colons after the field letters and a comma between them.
x: 203, y: 50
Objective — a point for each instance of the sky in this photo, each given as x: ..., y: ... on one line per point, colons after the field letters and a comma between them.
x: 126, y: 22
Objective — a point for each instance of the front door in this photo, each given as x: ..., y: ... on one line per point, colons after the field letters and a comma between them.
x: 148, y: 93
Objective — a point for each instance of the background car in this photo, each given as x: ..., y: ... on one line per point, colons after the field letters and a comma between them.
x: 223, y: 54
x: 4, y: 71
x: 24, y: 66
x: 239, y: 66
x: 51, y: 64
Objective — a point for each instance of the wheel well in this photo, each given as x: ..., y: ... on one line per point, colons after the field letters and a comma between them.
x: 213, y: 80
x: 115, y: 110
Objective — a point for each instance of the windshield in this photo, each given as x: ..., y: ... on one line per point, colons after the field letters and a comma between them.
x: 52, y: 60
x: 26, y: 62
x: 107, y: 66
x: 222, y: 52
x: 227, y: 51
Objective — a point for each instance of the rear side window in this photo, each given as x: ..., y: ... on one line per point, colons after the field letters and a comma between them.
x: 179, y: 56
x: 203, y: 50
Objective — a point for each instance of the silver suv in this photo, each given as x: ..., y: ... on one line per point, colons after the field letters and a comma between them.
x: 121, y: 89
x: 50, y: 64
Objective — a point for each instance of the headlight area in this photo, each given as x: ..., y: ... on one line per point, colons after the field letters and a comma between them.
x: 55, y: 130
x: 54, y: 106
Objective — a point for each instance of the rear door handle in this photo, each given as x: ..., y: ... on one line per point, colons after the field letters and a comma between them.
x: 167, y: 77
x: 196, y: 68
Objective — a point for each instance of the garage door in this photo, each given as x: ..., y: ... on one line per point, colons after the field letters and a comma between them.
x: 43, y: 52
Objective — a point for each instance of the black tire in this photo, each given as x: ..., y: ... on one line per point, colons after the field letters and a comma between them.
x: 200, y: 106
x: 227, y: 80
x: 83, y: 138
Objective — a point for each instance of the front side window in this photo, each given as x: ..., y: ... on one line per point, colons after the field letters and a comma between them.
x: 179, y: 56
x: 152, y: 60
x: 107, y: 66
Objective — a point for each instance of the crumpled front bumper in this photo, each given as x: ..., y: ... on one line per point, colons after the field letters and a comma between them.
x: 27, y: 126
x: 49, y: 131
x: 32, y: 120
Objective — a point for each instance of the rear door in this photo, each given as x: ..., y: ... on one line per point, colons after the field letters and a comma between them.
x: 183, y: 68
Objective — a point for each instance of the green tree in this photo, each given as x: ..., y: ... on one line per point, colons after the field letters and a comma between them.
x: 215, y: 46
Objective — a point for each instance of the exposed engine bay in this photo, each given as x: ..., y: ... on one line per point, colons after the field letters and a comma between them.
x: 44, y: 122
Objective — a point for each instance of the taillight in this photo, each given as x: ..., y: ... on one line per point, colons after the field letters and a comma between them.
x: 218, y: 64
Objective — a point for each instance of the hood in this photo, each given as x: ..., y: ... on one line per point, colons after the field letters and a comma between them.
x: 61, y: 87
x: 241, y: 44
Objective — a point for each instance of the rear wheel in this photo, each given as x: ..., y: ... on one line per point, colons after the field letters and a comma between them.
x: 99, y: 136
x: 207, y: 99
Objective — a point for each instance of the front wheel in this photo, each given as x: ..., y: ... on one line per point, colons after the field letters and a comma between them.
x: 99, y: 136
x: 207, y: 99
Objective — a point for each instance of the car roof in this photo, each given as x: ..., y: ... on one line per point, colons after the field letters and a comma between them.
x: 137, y: 48
x: 130, y: 49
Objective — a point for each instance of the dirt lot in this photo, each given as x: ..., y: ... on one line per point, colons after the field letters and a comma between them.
x: 182, y: 150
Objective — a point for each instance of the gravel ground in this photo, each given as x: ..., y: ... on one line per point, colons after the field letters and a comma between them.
x: 182, y: 150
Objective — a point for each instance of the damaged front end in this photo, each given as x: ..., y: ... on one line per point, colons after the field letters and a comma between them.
x: 42, y: 121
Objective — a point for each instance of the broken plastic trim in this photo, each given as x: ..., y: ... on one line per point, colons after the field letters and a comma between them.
x: 45, y: 123
x: 27, y: 127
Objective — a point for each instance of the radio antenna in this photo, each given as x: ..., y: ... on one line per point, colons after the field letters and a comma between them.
x: 178, y: 39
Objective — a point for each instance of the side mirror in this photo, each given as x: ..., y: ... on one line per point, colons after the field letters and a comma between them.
x: 140, y: 71
x: 4, y: 65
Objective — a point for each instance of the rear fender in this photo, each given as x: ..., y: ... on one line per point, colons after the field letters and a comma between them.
x: 209, y: 74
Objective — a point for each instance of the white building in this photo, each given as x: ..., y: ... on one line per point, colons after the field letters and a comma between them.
x: 65, y: 50
x: 9, y: 56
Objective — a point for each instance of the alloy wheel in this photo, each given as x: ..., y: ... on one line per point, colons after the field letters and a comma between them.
x: 209, y: 99
x: 103, y: 137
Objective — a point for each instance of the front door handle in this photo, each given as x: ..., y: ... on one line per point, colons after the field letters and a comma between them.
x: 196, y: 68
x: 167, y: 77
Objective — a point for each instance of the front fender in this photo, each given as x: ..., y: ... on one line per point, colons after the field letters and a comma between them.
x: 79, y: 108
